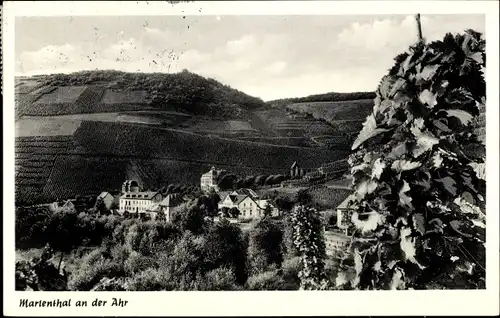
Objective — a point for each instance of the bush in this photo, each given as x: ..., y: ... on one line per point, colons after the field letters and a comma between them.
x: 151, y: 279
x: 93, y: 268
x: 217, y: 279
x: 269, y: 280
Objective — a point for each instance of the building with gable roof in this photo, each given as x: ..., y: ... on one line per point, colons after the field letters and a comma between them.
x: 168, y: 204
x: 247, y: 202
x: 209, y: 180
x: 135, y: 201
x: 107, y: 199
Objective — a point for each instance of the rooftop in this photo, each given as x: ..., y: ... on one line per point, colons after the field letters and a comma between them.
x: 171, y: 200
x: 147, y: 195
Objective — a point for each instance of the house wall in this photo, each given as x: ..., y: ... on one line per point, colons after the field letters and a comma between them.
x: 248, y: 208
x: 133, y: 205
x: 336, y: 242
x: 226, y: 202
x: 108, y: 201
x: 344, y: 218
x: 208, y: 181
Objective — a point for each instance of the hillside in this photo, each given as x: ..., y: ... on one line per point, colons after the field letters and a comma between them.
x: 112, y: 91
x: 100, y: 155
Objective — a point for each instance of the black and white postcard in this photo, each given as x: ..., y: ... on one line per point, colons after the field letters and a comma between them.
x: 250, y: 158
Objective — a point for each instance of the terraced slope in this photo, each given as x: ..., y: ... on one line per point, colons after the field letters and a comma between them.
x: 103, y: 154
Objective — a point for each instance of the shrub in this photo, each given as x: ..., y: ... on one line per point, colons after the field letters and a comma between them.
x: 93, y: 268
x: 269, y: 280
x: 217, y: 279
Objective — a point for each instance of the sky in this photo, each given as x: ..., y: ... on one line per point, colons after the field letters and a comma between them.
x: 269, y: 57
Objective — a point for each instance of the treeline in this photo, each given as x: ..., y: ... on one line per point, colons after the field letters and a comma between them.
x: 327, y: 97
x: 230, y: 181
x: 184, y: 91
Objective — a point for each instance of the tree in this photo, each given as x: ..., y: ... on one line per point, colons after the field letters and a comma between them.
x: 189, y: 218
x: 266, y: 241
x: 410, y: 171
x: 268, y: 210
x: 40, y: 274
x: 303, y: 197
x: 63, y: 233
x: 30, y: 227
x: 100, y: 207
x: 227, y: 182
x: 234, y: 212
x: 283, y: 203
x: 225, y: 211
x: 260, y: 180
x: 225, y: 247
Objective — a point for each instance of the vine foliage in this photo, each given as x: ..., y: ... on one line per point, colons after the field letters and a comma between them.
x: 309, y: 241
x: 419, y: 204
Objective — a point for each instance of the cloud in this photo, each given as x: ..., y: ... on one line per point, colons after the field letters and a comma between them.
x: 393, y: 33
x: 266, y: 58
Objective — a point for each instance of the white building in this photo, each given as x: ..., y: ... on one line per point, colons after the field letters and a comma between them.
x: 169, y: 204
x: 66, y: 206
x: 107, y: 198
x: 344, y: 214
x: 210, y: 179
x: 135, y: 201
x: 336, y: 243
x: 248, y: 203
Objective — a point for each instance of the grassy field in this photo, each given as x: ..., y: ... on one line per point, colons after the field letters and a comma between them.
x: 62, y: 95
x: 67, y: 100
x: 25, y: 87
x: 218, y: 127
x: 332, y: 111
x: 27, y: 127
x: 285, y: 124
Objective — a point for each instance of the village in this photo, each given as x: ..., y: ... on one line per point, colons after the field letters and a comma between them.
x: 243, y: 207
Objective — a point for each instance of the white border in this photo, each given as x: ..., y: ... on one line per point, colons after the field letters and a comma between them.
x: 484, y: 302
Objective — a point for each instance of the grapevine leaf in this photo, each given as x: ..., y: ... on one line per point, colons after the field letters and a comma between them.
x: 425, y: 142
x: 457, y: 225
x: 404, y: 165
x: 397, y: 281
x: 418, y: 222
x: 405, y: 200
x: 369, y: 224
x: 378, y: 168
x: 440, y: 125
x: 449, y: 185
x: 428, y: 72
x: 369, y: 130
x: 407, y: 245
x: 426, y: 97
x: 437, y: 160
x: 398, y: 151
x: 465, y: 117
x: 366, y: 187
